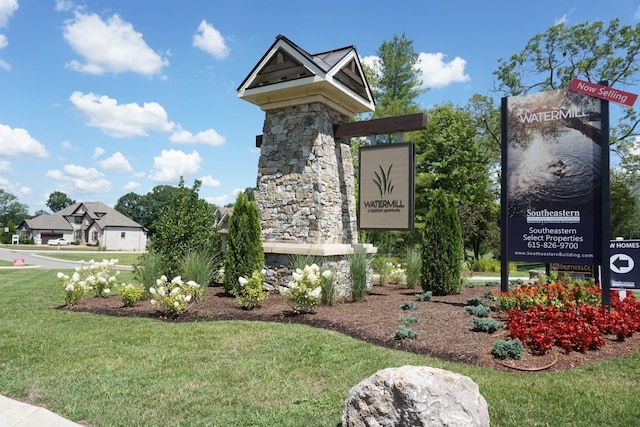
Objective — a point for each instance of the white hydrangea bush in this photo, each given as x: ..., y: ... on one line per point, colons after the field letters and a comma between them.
x: 175, y: 296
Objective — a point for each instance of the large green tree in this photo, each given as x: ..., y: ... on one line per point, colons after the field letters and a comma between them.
x: 625, y: 221
x: 185, y: 226
x: 58, y: 201
x: 395, y: 80
x: 452, y: 157
x: 147, y: 209
x: 12, y: 212
x: 589, y: 51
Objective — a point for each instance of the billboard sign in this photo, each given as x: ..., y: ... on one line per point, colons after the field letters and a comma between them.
x: 552, y: 179
x: 624, y: 263
x: 387, y: 187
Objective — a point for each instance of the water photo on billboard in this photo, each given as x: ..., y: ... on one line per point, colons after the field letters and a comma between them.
x: 553, y: 176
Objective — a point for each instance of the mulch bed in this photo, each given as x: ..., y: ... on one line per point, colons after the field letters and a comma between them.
x: 445, y: 329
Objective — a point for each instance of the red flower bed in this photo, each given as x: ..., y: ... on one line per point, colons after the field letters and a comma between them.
x: 559, y: 314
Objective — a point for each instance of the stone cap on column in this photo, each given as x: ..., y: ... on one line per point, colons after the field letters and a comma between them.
x: 316, y: 249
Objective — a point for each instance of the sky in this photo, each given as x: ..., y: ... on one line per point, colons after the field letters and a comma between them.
x: 99, y: 98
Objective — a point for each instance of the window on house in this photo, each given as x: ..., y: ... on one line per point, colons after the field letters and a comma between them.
x: 77, y: 235
x: 94, y: 236
x: 78, y: 220
x: 123, y: 234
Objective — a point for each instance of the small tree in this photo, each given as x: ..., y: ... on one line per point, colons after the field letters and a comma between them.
x: 244, y: 253
x: 442, y: 247
x: 58, y: 201
x: 185, y: 227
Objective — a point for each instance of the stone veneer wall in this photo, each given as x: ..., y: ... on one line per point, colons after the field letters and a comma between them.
x: 305, y: 184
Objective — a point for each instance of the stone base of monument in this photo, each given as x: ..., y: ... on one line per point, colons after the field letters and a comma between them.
x: 279, y: 256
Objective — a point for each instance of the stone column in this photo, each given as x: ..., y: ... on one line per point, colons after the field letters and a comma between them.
x: 305, y: 191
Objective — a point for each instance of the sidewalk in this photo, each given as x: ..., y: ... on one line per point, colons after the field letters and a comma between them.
x: 14, y: 413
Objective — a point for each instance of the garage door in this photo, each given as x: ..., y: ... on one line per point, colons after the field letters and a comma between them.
x: 47, y: 237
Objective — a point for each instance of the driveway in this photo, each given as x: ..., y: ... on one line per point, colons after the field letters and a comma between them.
x: 39, y: 260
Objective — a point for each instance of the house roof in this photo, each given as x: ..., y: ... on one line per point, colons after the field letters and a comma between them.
x: 288, y: 75
x: 48, y: 222
x: 103, y: 215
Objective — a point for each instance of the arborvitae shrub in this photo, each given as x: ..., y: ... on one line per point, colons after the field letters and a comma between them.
x: 244, y: 253
x: 442, y: 247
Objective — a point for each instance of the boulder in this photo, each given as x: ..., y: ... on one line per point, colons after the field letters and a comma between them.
x: 415, y: 396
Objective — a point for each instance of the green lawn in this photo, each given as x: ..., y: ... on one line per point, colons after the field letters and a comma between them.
x: 107, y: 371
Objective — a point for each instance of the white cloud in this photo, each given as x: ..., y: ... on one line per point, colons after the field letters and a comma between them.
x: 224, y: 199
x: 5, y: 65
x: 171, y: 164
x: 7, y: 7
x: 67, y: 145
x: 208, y: 137
x: 433, y: 69
x: 98, y: 152
x: 24, y: 191
x: 121, y: 120
x: 209, y: 181
x: 3, y: 40
x: 437, y: 73
x: 19, y: 144
x: 564, y: 18
x: 372, y: 62
x: 210, y: 40
x: 218, y: 200
x: 111, y: 46
x: 132, y: 185
x: 5, y: 166
x: 117, y: 162
x: 74, y: 178
x: 64, y: 5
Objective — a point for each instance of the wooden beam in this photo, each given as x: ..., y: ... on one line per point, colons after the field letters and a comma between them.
x: 382, y: 126
x: 387, y: 125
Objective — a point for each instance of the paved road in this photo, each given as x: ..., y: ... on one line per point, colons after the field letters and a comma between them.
x: 38, y: 259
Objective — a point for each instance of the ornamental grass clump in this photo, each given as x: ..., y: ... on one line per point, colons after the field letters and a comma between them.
x: 175, y: 296
x: 89, y: 277
x: 413, y: 267
x: 250, y: 292
x: 305, y: 290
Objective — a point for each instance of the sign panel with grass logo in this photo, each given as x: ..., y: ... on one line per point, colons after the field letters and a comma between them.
x: 387, y: 187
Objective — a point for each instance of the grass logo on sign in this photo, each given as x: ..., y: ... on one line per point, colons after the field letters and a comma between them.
x: 387, y: 187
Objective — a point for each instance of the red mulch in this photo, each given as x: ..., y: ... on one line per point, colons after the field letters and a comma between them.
x: 444, y: 328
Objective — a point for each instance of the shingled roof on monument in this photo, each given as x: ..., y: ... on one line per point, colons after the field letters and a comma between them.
x: 288, y: 75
